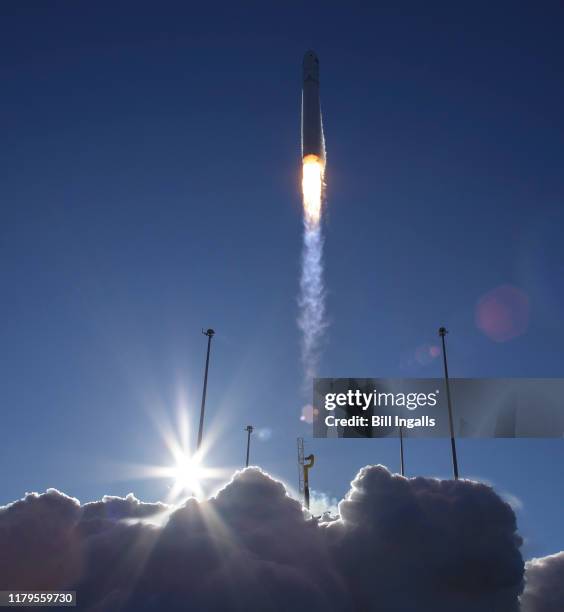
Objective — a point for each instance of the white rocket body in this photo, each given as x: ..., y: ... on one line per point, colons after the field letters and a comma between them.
x: 313, y: 142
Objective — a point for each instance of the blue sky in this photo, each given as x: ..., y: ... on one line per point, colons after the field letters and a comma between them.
x: 150, y: 188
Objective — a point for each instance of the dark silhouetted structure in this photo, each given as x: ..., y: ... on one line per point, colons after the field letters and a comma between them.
x: 209, y: 333
x: 442, y: 333
x: 402, y: 464
x: 304, y: 465
x: 249, y: 430
x: 310, y: 459
x: 313, y: 142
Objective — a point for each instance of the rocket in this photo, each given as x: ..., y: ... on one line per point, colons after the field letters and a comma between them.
x: 313, y: 142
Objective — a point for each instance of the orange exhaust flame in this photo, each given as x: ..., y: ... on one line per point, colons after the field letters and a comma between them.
x: 312, y: 188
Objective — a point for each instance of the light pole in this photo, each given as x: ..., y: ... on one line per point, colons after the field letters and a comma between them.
x: 249, y: 430
x: 442, y: 333
x: 209, y: 333
x: 402, y: 465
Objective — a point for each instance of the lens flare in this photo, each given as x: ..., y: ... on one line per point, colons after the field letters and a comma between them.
x: 312, y: 188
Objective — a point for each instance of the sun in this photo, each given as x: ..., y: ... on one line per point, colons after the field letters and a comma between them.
x: 188, y: 474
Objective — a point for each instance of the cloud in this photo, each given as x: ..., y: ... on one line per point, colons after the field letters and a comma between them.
x: 544, y: 588
x: 426, y: 544
x: 400, y: 544
x: 322, y: 504
x: 118, y: 508
x: 38, y: 542
x: 515, y: 502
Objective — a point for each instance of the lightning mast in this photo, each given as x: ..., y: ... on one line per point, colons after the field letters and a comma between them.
x: 442, y: 333
x: 209, y: 333
x: 402, y: 463
x: 301, y: 464
x: 249, y: 430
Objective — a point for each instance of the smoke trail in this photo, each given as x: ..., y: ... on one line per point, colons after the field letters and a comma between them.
x: 311, y: 320
x: 312, y: 299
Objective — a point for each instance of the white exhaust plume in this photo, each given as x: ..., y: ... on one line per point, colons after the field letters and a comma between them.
x: 312, y: 321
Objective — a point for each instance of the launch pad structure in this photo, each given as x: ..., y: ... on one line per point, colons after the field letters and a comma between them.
x: 304, y: 465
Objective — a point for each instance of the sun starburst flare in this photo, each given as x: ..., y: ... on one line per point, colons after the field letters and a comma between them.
x: 187, y: 470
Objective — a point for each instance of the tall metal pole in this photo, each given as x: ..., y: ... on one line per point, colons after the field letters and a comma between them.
x: 402, y: 465
x: 209, y: 333
x: 249, y: 430
x: 442, y: 333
